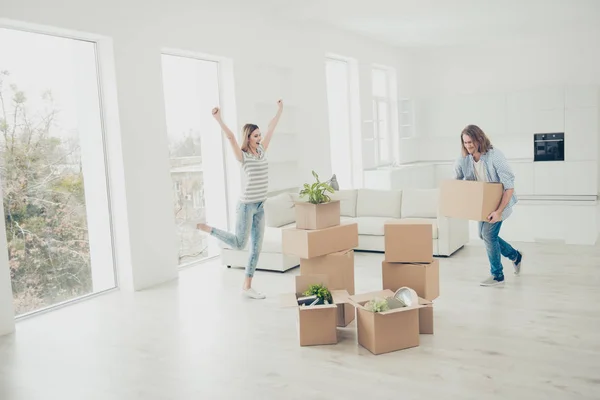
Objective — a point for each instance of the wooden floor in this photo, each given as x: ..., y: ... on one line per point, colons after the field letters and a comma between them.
x: 538, y: 337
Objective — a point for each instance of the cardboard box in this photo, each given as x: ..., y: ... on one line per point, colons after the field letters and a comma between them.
x: 317, y: 216
x: 471, y: 200
x: 388, y: 331
x: 339, y: 268
x: 346, y: 313
x: 422, y: 278
x: 314, y: 243
x: 426, y: 317
x: 317, y: 325
x: 408, y: 242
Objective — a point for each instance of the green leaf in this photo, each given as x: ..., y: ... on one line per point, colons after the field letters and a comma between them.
x: 316, y: 191
x: 315, y: 175
x: 320, y: 291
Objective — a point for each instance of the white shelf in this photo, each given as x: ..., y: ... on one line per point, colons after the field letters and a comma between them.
x: 406, y: 117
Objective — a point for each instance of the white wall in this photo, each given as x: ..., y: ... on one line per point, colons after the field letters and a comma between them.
x: 271, y: 58
x: 493, y: 86
x: 510, y: 119
x: 511, y: 92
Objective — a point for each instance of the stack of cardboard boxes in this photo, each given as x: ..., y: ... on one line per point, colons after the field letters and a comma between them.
x: 324, y: 246
x: 409, y: 259
x: 408, y: 263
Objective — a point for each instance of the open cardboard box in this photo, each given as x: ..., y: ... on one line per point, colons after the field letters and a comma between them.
x: 391, y: 330
x: 317, y: 325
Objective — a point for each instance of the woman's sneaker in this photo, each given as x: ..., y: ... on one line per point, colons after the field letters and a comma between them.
x: 492, y: 281
x: 253, y: 294
x: 517, y: 263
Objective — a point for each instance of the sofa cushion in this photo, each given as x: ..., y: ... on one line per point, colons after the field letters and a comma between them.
x: 432, y: 221
x: 279, y: 210
x: 378, y: 203
x: 420, y: 203
x: 372, y: 226
x: 347, y: 200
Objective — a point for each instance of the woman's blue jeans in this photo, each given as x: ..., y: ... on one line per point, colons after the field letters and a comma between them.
x: 250, y: 222
x: 496, y: 247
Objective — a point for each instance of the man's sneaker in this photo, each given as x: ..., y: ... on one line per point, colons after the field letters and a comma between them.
x: 253, y: 294
x: 491, y: 281
x: 517, y: 263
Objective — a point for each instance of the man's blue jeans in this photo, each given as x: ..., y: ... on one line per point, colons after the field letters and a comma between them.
x: 495, y: 247
x: 250, y: 220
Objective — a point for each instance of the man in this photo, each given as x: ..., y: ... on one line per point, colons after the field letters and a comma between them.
x: 480, y: 161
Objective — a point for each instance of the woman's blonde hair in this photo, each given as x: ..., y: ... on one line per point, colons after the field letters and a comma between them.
x: 478, y: 137
x: 247, y: 130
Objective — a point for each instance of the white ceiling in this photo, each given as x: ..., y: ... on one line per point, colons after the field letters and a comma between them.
x: 446, y: 22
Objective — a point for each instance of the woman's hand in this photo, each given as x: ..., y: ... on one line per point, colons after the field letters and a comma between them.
x: 216, y: 112
x: 267, y: 139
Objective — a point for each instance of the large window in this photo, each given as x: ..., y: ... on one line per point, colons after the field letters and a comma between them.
x: 191, y: 89
x: 344, y: 121
x: 385, y: 130
x: 52, y: 170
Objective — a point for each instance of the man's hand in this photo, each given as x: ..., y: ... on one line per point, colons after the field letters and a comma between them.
x: 494, y: 217
x: 280, y: 103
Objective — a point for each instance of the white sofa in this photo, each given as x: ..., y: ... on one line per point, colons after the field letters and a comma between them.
x: 370, y: 209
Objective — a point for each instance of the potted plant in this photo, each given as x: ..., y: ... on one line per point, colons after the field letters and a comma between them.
x: 377, y: 305
x: 319, y: 211
x: 316, y: 191
x: 403, y: 297
x: 322, y: 293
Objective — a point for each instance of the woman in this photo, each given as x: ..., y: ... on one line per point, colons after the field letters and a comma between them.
x: 480, y: 161
x: 250, y: 211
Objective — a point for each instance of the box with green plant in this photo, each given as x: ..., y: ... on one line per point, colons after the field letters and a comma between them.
x: 388, y: 321
x: 403, y: 297
x: 319, y: 211
x: 377, y: 305
x: 321, y: 292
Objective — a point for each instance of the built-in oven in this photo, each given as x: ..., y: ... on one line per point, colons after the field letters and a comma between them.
x: 549, y: 146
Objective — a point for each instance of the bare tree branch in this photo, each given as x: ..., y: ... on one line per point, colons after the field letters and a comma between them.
x: 44, y: 202
x: 4, y: 116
